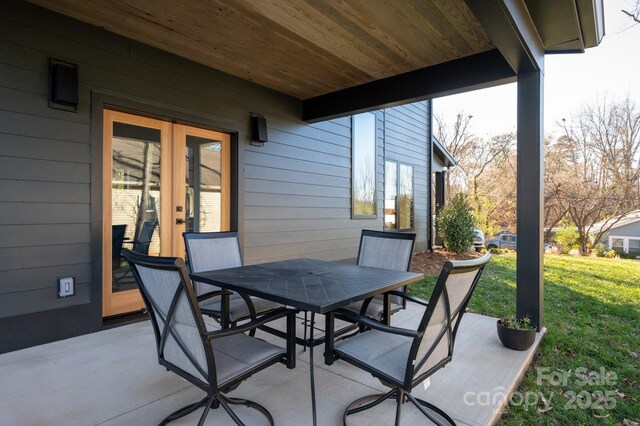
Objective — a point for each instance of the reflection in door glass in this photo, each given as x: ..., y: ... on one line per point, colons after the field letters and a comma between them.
x: 203, y: 201
x: 135, y: 181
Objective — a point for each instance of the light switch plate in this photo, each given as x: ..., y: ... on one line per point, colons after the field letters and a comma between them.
x: 66, y: 287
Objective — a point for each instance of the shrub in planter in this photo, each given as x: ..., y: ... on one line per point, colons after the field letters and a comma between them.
x: 516, y: 334
x: 455, y: 225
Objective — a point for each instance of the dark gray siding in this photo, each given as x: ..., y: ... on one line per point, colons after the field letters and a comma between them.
x: 297, y: 193
x: 406, y: 141
x: 294, y: 194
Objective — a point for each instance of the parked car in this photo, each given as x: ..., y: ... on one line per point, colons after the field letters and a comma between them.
x: 503, y: 241
x: 478, y: 240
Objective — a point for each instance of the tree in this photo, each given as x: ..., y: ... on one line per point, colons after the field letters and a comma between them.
x: 485, y: 171
x: 458, y: 140
x: 597, y: 175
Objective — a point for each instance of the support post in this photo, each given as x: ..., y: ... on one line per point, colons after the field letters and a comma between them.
x: 530, y: 256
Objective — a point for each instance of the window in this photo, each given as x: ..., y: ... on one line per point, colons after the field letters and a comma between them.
x: 398, y: 196
x: 390, y: 194
x: 363, y: 177
x: 405, y: 197
x: 634, y: 246
x: 617, y: 244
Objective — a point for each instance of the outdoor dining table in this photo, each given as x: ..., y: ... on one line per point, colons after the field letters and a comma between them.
x: 316, y: 286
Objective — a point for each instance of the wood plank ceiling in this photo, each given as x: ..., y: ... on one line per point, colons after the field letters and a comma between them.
x: 303, y: 48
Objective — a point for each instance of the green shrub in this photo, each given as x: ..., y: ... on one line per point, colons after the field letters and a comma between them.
x: 610, y: 254
x: 455, y: 224
x: 600, y: 250
x: 623, y: 255
x: 568, y: 237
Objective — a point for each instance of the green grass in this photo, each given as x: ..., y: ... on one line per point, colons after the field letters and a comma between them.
x: 592, y: 316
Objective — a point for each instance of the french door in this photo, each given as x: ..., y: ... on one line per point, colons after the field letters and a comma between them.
x: 160, y: 179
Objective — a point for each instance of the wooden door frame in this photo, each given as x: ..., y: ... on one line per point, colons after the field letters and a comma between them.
x: 130, y: 300
x: 101, y: 101
x: 180, y: 132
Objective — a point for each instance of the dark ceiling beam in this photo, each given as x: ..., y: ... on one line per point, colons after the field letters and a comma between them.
x: 510, y: 27
x: 474, y: 72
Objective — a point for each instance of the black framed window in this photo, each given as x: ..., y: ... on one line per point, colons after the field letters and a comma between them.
x: 363, y: 166
x: 398, y: 196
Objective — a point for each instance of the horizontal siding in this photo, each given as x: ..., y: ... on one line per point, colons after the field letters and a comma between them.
x: 294, y: 192
x: 406, y: 141
x: 297, y: 193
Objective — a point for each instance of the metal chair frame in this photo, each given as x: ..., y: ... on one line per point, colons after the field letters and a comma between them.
x: 401, y: 390
x: 215, y: 392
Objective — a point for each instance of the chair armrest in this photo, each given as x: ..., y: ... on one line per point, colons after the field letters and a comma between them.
x: 278, y: 313
x: 409, y: 297
x: 213, y: 294
x: 375, y: 324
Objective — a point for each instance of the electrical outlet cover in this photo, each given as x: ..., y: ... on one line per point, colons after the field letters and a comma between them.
x: 66, y: 287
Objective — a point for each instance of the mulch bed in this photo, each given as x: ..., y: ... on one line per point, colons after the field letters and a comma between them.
x: 431, y: 262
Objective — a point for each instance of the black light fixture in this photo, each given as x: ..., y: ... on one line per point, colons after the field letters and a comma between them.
x: 63, y: 85
x: 258, y: 130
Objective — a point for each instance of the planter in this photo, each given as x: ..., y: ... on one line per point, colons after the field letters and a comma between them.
x: 518, y: 340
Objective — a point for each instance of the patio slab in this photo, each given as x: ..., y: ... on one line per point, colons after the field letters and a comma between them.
x: 113, y: 378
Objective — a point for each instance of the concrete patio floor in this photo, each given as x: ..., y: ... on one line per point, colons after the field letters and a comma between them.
x: 113, y: 378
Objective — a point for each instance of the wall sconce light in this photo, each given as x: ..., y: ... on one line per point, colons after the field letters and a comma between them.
x: 63, y: 85
x: 258, y: 130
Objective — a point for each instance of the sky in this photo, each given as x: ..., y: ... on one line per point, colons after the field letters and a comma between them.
x: 610, y: 70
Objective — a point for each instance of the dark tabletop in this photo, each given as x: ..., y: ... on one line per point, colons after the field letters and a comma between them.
x: 312, y: 285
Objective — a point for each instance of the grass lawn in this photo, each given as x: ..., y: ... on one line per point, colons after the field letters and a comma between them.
x: 592, y: 313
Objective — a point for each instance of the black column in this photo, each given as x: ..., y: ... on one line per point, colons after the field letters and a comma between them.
x: 529, y: 275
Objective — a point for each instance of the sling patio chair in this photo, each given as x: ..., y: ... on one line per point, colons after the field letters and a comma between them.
x: 209, y: 251
x: 215, y: 361
x: 119, y: 268
x: 142, y: 243
x: 402, y: 358
x: 388, y: 250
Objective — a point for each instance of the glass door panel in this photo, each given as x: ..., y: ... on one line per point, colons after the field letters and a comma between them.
x: 134, y: 207
x: 202, y: 194
x: 203, y: 199
x: 160, y: 180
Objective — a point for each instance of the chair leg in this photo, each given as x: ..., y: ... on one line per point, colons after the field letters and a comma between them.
x: 425, y: 407
x: 205, y: 413
x: 399, y: 401
x: 432, y: 412
x: 361, y: 404
x: 225, y: 400
x: 213, y: 402
x: 184, y: 411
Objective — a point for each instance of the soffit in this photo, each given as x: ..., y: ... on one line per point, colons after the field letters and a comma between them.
x: 303, y: 48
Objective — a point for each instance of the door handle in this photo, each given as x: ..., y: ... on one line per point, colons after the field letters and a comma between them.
x: 180, y: 221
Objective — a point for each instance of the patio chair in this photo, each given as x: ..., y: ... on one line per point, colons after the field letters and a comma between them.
x: 208, y: 251
x: 388, y: 250
x: 403, y: 358
x: 142, y: 243
x: 215, y: 361
x: 117, y: 240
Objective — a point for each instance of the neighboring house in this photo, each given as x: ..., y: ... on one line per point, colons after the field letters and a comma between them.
x: 149, y: 115
x: 442, y: 161
x: 623, y: 236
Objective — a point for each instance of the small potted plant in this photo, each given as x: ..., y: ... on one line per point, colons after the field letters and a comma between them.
x: 516, y: 334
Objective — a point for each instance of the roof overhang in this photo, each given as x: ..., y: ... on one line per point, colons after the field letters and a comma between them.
x: 442, y: 153
x: 350, y: 56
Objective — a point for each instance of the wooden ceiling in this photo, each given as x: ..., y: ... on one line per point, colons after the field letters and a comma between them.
x: 303, y: 48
